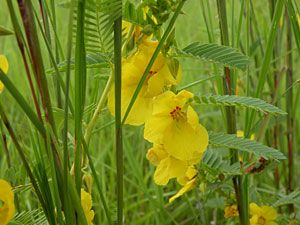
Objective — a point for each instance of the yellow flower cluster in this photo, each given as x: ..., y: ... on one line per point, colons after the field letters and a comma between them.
x: 7, y: 206
x: 158, y: 79
x: 264, y: 215
x: 4, y: 68
x: 171, y: 124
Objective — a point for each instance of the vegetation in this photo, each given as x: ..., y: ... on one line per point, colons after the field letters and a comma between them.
x: 149, y: 112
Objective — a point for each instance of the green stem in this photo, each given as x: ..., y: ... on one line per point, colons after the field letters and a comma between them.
x: 70, y: 217
x: 289, y: 110
x: 118, y: 124
x: 80, y: 83
x: 36, y: 58
x: 239, y: 182
x: 100, y: 105
x: 20, y: 40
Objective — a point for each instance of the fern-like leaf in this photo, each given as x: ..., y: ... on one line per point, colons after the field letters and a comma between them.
x: 32, y: 217
x: 215, y: 164
x: 291, y: 198
x: 98, y: 28
x: 233, y: 100
x: 246, y: 145
x: 217, y: 53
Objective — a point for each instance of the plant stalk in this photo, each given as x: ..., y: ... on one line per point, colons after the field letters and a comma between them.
x: 240, y: 182
x: 118, y: 117
x: 289, y: 110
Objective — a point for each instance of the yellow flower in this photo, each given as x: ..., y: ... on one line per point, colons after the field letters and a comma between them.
x: 7, y: 206
x: 231, y: 211
x: 264, y: 215
x: 4, y: 68
x: 175, y: 124
x: 169, y: 167
x: 159, y: 78
x: 86, y: 202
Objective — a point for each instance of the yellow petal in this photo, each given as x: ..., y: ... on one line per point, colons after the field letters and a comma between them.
x: 131, y: 73
x: 4, y: 67
x: 7, y: 210
x: 169, y: 168
x: 184, y: 95
x: 189, y: 175
x: 144, y: 54
x: 187, y: 187
x: 183, y: 142
x: 86, y: 202
x: 269, y: 213
x: 254, y: 220
x: 164, y: 104
x: 3, y: 64
x: 155, y: 127
x: 160, y: 81
x: 240, y: 133
x: 254, y: 209
x: 156, y: 154
x: 140, y: 111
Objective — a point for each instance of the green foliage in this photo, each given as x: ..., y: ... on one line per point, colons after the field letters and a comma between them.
x: 245, y: 145
x: 33, y: 217
x: 240, y: 101
x: 291, y: 198
x: 4, y: 31
x: 213, y: 161
x: 98, y: 28
x: 224, y: 55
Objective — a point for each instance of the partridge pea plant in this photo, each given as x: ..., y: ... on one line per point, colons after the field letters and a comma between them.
x: 104, y: 119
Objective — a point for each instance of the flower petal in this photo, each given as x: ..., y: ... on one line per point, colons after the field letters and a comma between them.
x: 254, y: 220
x: 169, y: 168
x: 269, y: 213
x: 183, y: 142
x: 155, y: 127
x: 4, y: 64
x: 156, y: 154
x: 7, y: 210
x: 140, y: 111
x: 255, y: 209
x: 187, y: 187
x: 190, y: 174
x: 4, y: 68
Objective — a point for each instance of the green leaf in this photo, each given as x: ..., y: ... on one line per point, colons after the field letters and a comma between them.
x: 224, y: 55
x: 22, y: 102
x: 98, y: 25
x: 292, y: 198
x: 245, y: 145
x: 4, y: 31
x: 93, y: 61
x: 32, y: 217
x: 233, y: 100
x: 216, y: 164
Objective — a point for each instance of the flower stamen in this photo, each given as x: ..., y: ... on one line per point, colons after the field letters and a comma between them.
x: 177, y: 114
